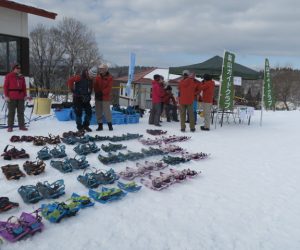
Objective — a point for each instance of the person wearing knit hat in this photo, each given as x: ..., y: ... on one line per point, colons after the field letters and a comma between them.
x: 82, y: 86
x: 15, y: 95
x: 103, y: 89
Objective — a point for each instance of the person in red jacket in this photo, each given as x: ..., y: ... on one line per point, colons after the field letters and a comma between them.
x: 157, y: 95
x: 81, y: 86
x: 207, y: 88
x: 187, y: 91
x: 15, y: 95
x: 103, y: 88
x: 170, y: 104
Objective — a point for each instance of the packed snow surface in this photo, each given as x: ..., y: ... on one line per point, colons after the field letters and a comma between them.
x: 246, y: 197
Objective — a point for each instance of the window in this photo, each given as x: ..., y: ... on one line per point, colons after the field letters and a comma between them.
x: 13, y: 50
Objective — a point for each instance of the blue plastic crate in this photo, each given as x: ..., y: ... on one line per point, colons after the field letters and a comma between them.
x: 63, y: 114
x: 132, y: 118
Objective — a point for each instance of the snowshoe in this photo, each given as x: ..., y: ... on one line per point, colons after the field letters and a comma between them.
x: 101, y: 138
x: 14, y: 153
x: 173, y: 149
x: 58, y: 151
x: 13, y: 231
x: 156, y: 132
x: 51, y: 191
x: 82, y: 201
x: 165, y: 178
x: 155, y: 184
x: 26, y: 138
x: 12, y: 172
x: 175, y: 176
x: 84, y: 149
x: 189, y: 173
x: 174, y: 138
x: 129, y: 187
x: 80, y: 163
x: 71, y: 133
x: 33, y: 222
x: 107, y: 194
x: 129, y: 173
x: 62, y: 166
x: 196, y: 156
x: 112, y: 147
x: 155, y: 165
x: 6, y: 204
x: 88, y: 180
x: 30, y: 194
x: 84, y: 139
x: 39, y: 141
x: 106, y: 178
x: 56, y: 211
x: 152, y: 152
x: 44, y: 154
x: 70, y: 140
x: 52, y: 139
x: 174, y: 160
x: 34, y: 167
x: 134, y: 156
x: 15, y: 138
x: 151, y: 142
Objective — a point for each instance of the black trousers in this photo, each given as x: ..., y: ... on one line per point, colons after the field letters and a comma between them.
x: 80, y: 106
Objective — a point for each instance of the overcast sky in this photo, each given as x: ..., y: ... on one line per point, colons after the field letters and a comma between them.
x: 179, y: 32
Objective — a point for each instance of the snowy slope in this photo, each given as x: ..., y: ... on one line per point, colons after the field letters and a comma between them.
x: 247, y: 196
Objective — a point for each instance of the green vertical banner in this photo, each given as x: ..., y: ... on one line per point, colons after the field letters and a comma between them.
x: 226, y: 92
x: 268, y: 90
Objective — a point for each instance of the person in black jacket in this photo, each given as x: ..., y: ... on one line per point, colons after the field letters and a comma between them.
x: 81, y: 87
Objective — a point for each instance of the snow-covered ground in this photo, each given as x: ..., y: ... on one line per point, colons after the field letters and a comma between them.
x: 247, y: 196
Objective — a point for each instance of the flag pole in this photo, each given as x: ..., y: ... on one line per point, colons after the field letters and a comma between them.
x: 262, y: 99
x: 218, y: 106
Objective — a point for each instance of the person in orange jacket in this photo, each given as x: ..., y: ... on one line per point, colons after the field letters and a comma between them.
x: 103, y: 88
x: 81, y: 86
x: 187, y: 90
x: 207, y: 88
x: 15, y: 95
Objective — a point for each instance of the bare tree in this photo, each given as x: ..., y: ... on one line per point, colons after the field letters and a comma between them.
x: 80, y: 44
x: 46, y: 55
x: 286, y: 84
x: 58, y: 52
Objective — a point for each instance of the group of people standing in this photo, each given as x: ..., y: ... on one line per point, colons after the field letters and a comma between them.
x: 190, y: 90
x: 162, y: 98
x: 99, y: 81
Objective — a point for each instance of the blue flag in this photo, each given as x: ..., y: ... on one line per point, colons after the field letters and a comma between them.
x: 130, y: 74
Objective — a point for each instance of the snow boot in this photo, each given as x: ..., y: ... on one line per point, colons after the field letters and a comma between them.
x: 110, y: 127
x: 100, y: 127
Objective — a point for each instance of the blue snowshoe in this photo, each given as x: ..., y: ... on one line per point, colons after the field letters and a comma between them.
x: 88, y: 180
x: 56, y: 211
x: 82, y: 201
x: 70, y: 140
x: 107, y: 194
x: 58, y: 151
x: 80, y: 163
x: 30, y: 194
x: 62, y: 166
x: 51, y: 191
x: 44, y: 154
x: 129, y: 187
